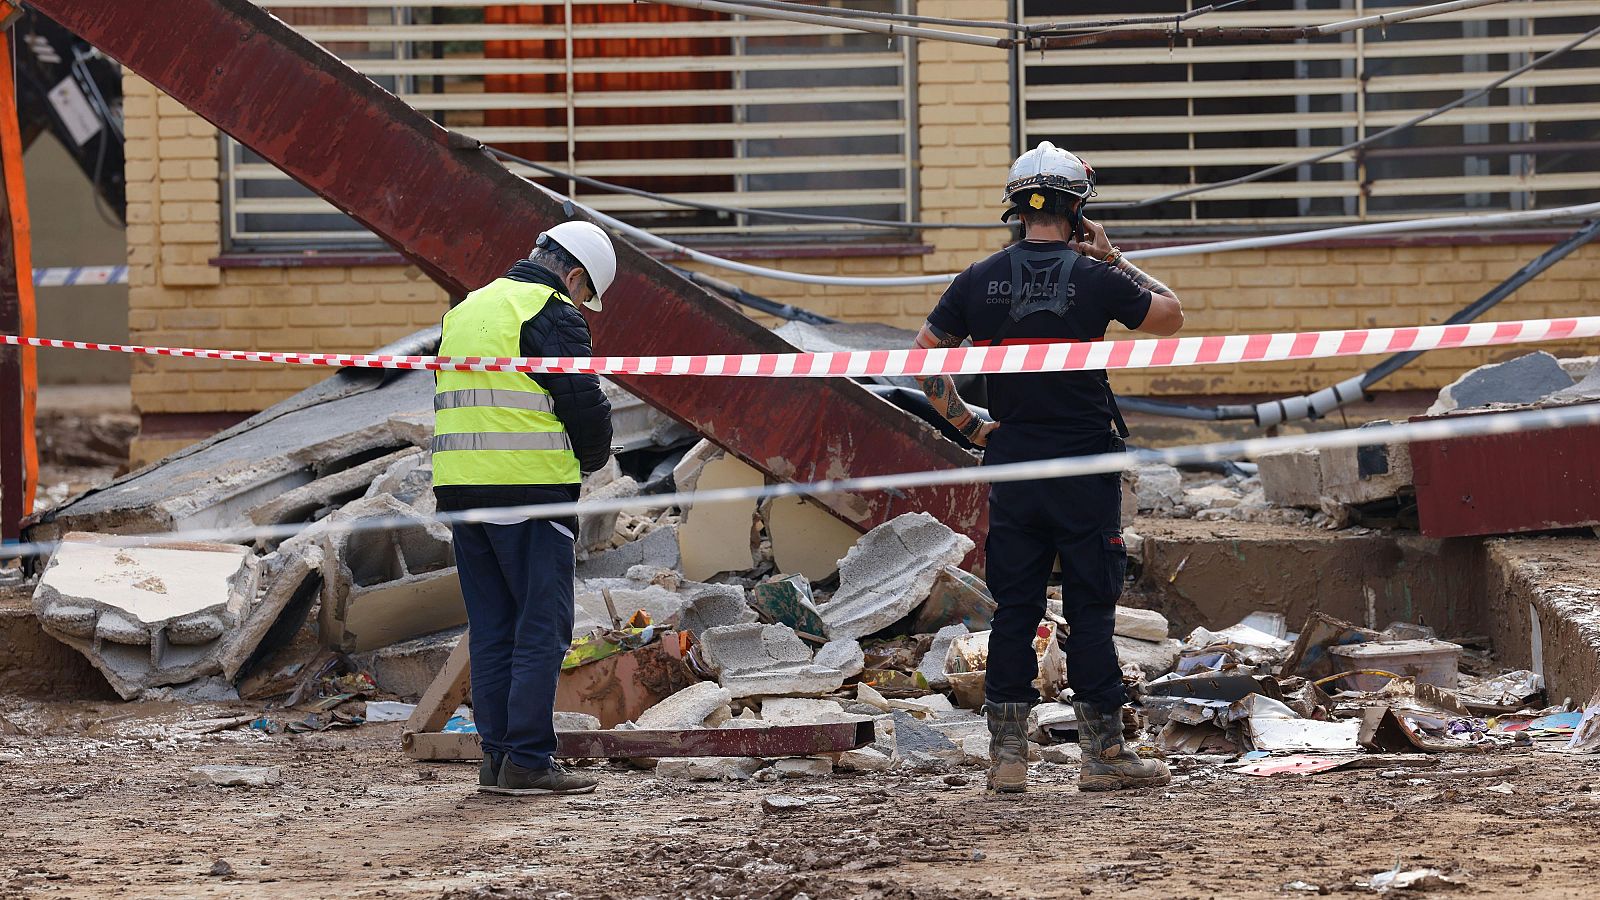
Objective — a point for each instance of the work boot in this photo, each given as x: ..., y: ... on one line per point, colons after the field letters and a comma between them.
x: 517, y: 781
x: 1108, y: 764
x: 1008, y: 746
x: 489, y: 771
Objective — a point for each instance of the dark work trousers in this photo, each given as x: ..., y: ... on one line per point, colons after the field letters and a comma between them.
x: 1078, y: 519
x: 517, y: 583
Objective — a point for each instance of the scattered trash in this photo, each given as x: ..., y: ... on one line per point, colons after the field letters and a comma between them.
x: 1423, y: 879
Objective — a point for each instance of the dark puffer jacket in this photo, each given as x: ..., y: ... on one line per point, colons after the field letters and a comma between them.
x: 558, y: 330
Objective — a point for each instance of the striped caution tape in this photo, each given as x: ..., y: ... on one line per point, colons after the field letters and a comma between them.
x: 1442, y: 428
x: 69, y: 276
x: 1135, y: 354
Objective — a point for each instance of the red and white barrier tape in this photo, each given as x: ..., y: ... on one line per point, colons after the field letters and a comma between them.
x: 1135, y: 354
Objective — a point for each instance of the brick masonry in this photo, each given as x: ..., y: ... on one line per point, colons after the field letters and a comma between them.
x: 178, y: 298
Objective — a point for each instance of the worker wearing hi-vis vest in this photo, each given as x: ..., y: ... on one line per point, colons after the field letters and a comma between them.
x: 1062, y: 283
x: 509, y: 439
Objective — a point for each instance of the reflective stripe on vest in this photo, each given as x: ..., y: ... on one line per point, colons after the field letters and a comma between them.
x: 497, y: 428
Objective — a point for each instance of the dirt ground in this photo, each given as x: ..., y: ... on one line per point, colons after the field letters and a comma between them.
x: 96, y: 801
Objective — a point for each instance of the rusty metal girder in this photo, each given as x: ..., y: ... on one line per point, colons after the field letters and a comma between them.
x: 463, y: 219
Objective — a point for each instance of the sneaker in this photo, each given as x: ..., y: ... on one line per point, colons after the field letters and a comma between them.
x: 517, y: 781
x: 489, y: 771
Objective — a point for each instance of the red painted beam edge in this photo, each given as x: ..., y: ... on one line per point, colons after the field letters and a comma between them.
x: 461, y: 217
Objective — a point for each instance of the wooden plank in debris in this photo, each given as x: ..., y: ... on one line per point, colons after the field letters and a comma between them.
x: 448, y: 690
x: 778, y: 740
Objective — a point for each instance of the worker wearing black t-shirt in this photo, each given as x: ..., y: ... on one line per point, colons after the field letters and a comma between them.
x: 1063, y: 283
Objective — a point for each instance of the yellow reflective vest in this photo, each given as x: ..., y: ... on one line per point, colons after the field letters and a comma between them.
x: 497, y: 428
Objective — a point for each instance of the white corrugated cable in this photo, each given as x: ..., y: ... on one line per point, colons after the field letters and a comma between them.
x: 1582, y: 414
x: 1472, y: 221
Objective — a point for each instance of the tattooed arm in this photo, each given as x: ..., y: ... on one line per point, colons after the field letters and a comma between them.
x: 1165, y: 316
x: 941, y: 391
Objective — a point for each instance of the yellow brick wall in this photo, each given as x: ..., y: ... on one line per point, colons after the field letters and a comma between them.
x: 177, y: 298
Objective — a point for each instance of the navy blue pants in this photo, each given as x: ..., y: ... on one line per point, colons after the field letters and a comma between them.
x: 517, y: 583
x: 1031, y: 523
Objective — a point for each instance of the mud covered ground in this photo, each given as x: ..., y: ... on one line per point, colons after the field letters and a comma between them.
x: 96, y: 801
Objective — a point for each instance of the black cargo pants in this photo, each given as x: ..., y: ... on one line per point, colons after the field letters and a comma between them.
x: 1031, y: 523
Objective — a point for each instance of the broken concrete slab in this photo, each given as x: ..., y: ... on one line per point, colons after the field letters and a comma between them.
x: 713, y: 605
x: 151, y: 615
x: 805, y: 711
x: 1141, y: 624
x: 844, y: 655
x: 710, y: 768
x: 314, y: 499
x: 788, y: 601
x: 888, y: 572
x: 866, y: 759
x: 754, y: 659
x: 407, y: 668
x: 957, y: 596
x: 935, y: 665
x: 1153, y: 659
x: 657, y: 550
x: 1356, y: 475
x: 384, y: 586
x: 1157, y: 488
x: 806, y: 538
x: 718, y: 537
x: 688, y: 708
x: 1526, y: 379
x: 802, y: 767
x: 1292, y: 478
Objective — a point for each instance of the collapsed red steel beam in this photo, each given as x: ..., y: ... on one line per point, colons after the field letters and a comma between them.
x: 460, y: 216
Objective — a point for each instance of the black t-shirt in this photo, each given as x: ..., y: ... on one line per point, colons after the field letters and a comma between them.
x: 1041, y: 292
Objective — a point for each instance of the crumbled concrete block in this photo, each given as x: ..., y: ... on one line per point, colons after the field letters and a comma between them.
x: 1153, y: 659
x: 1141, y: 624
x: 935, y: 663
x: 147, y: 616
x: 975, y: 750
x: 803, y: 767
x: 805, y: 711
x: 657, y: 550
x: 807, y: 538
x: 236, y: 776
x: 686, y: 709
x: 864, y: 759
x: 754, y: 659
x: 407, y: 669
x: 383, y: 586
x: 1526, y: 379
x: 684, y: 605
x: 595, y: 529
x: 1355, y: 475
x: 1063, y: 754
x: 888, y: 572
x: 709, y: 768
x: 1579, y: 368
x: 956, y: 597
x: 408, y: 479
x: 844, y: 655
x: 1211, y: 496
x: 302, y: 503
x: 788, y: 601
x: 686, y: 474
x: 912, y: 737
x: 575, y: 721
x: 1157, y: 488
x: 713, y: 605
x: 1292, y: 478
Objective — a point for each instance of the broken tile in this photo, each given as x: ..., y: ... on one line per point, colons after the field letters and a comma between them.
x: 788, y: 601
x: 147, y: 616
x: 888, y: 572
x: 957, y: 596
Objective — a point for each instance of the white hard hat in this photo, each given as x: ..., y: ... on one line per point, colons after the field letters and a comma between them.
x: 1050, y: 167
x: 591, y: 247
